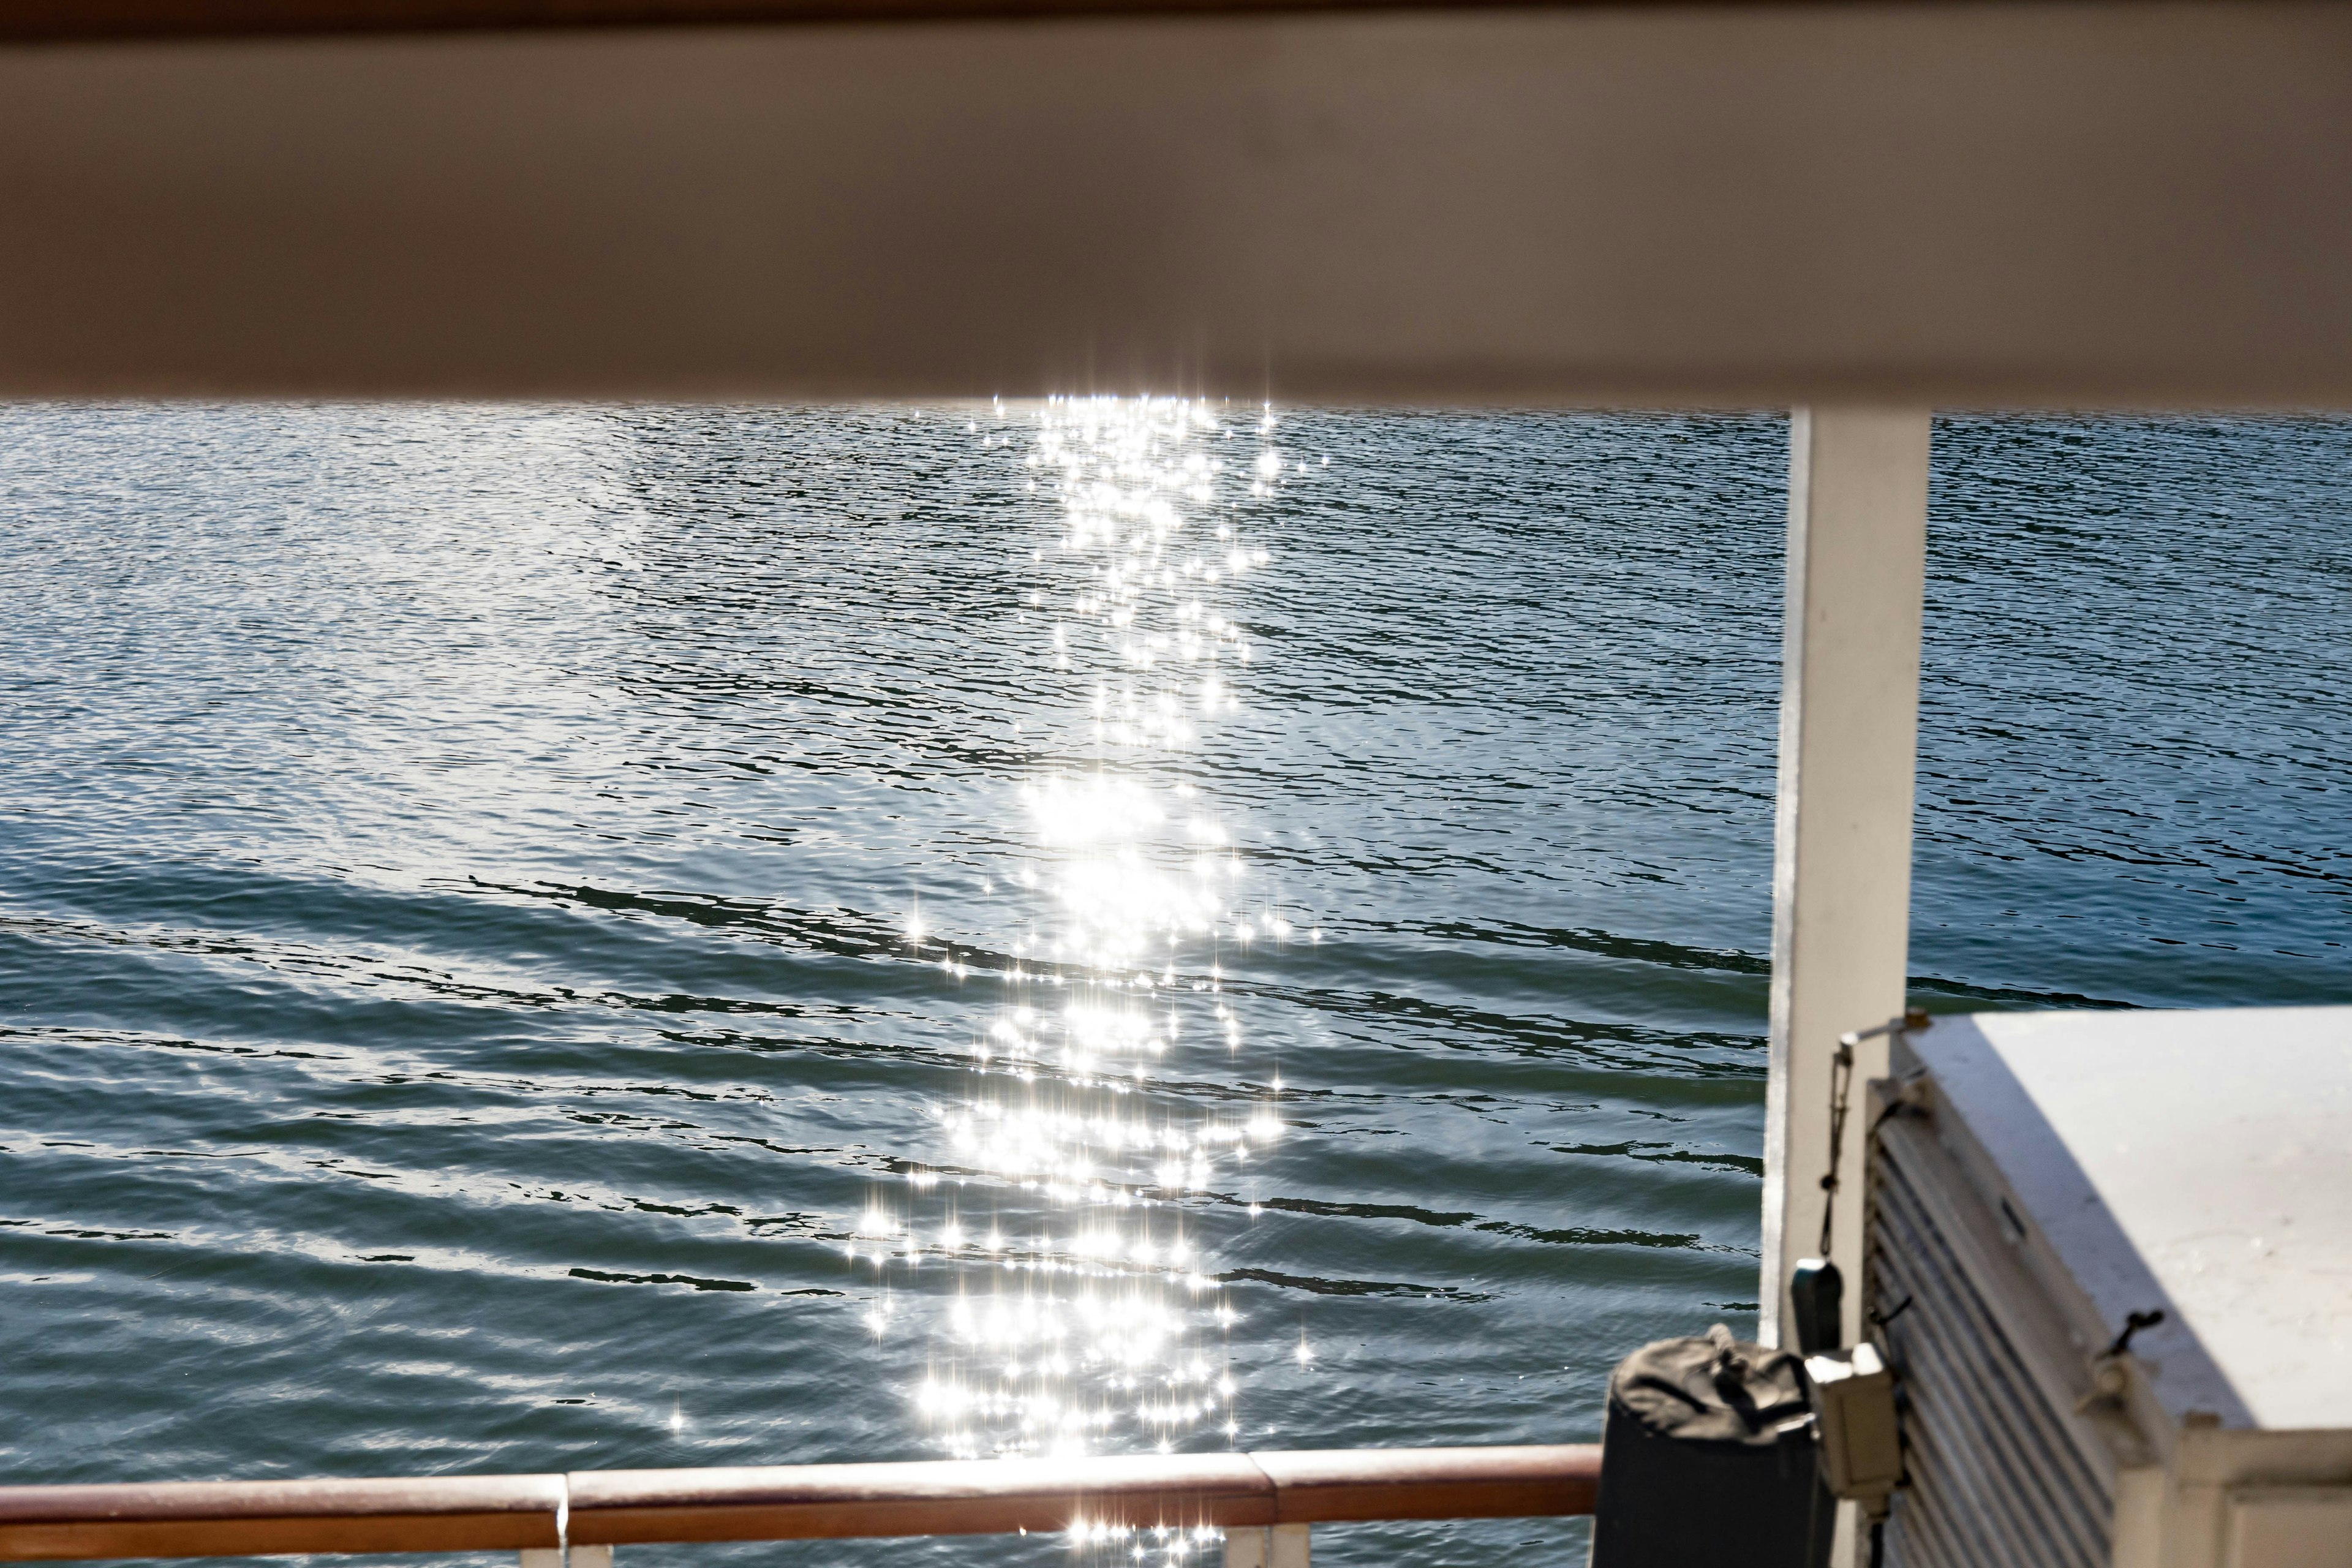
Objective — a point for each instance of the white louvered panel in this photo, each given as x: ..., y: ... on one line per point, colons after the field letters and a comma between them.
x: 2032, y: 1466
x: 1984, y: 1447
x: 2000, y: 1472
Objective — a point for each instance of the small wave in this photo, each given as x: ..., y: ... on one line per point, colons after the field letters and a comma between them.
x: 695, y: 1281
x: 1318, y: 1286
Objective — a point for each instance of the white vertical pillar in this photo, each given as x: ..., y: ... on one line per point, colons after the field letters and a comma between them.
x: 1841, y: 873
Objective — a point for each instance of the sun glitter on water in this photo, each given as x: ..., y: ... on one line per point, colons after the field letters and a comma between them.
x: 1086, y: 1315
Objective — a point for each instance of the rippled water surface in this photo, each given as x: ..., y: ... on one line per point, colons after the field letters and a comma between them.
x: 539, y: 939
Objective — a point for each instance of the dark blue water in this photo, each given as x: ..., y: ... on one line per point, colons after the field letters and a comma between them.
x: 542, y: 939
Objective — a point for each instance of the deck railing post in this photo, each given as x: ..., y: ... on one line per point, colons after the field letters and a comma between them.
x: 1267, y: 1546
x: 567, y: 1557
x: 1841, y: 874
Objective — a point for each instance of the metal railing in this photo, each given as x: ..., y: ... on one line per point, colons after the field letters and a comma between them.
x: 1264, y: 1501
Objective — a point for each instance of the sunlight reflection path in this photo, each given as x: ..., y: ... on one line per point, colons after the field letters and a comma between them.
x: 1086, y: 1315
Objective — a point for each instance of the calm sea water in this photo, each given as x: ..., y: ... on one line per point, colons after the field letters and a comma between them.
x: 542, y: 939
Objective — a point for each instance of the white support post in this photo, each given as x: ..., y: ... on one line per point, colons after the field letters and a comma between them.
x: 1841, y: 873
x: 1267, y: 1546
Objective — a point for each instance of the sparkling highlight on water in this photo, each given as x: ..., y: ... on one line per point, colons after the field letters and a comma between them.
x: 1085, y: 1313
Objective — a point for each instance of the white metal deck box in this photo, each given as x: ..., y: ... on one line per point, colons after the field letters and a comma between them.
x: 2040, y: 1182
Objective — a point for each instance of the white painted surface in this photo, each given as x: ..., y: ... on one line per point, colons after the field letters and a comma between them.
x: 2290, y: 1527
x: 2198, y: 1160
x: 1842, y: 877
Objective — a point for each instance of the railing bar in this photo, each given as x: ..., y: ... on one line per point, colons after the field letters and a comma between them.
x: 784, y: 1502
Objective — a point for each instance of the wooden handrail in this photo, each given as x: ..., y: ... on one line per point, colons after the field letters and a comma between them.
x: 218, y: 1518
x: 464, y: 1513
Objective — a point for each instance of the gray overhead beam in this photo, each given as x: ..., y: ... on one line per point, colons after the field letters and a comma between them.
x: 68, y: 19
x: 1929, y: 205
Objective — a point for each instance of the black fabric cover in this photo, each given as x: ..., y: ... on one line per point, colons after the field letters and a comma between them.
x: 1707, y: 1457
